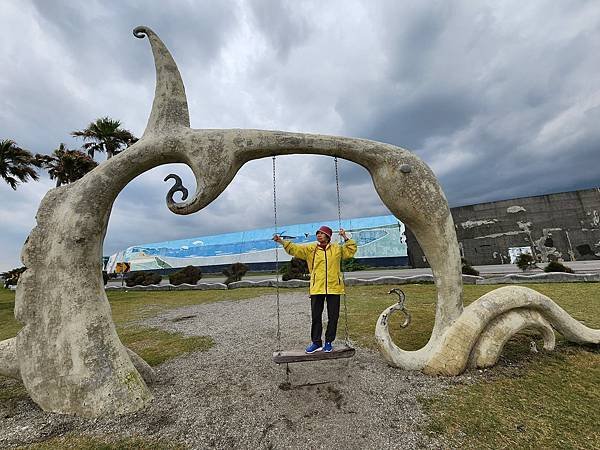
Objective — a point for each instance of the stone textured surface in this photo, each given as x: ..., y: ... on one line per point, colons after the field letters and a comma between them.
x: 9, y: 365
x: 488, y: 348
x: 565, y: 224
x: 70, y: 357
x: 453, y: 354
x: 552, y: 277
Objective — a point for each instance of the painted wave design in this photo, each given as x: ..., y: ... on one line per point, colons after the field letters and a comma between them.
x: 362, y: 237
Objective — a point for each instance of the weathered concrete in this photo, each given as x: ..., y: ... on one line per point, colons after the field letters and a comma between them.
x: 415, y: 279
x: 551, y: 277
x: 9, y: 365
x: 169, y: 287
x: 488, y: 348
x: 269, y: 283
x: 70, y: 357
x: 564, y: 225
x: 454, y: 352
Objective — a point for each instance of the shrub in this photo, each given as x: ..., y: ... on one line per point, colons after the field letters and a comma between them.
x: 296, y: 269
x: 555, y: 266
x: 235, y: 272
x: 525, y: 262
x: 12, y: 276
x: 468, y: 269
x: 142, y: 279
x: 352, y: 265
x: 187, y: 275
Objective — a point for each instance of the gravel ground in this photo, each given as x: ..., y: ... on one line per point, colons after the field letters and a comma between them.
x: 233, y: 396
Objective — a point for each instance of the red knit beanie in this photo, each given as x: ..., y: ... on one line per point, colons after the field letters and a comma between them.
x: 325, y: 229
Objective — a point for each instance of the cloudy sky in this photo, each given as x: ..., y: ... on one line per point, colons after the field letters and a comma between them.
x: 501, y: 99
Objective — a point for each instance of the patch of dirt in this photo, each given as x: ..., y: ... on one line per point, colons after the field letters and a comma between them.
x: 182, y: 318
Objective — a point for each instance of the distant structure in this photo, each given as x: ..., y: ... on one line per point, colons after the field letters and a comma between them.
x: 381, y: 243
x: 563, y: 226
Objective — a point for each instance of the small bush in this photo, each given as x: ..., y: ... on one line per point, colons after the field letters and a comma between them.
x: 468, y: 269
x: 296, y: 269
x: 525, y: 262
x: 235, y: 272
x: 555, y: 266
x: 142, y: 279
x: 12, y: 276
x: 352, y: 265
x: 187, y: 275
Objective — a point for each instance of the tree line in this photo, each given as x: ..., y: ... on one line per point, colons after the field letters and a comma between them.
x: 18, y: 165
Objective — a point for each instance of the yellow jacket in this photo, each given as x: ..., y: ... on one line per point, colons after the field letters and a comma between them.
x: 323, y: 265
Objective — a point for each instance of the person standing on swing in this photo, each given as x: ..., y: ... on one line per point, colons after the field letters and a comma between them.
x: 326, y: 285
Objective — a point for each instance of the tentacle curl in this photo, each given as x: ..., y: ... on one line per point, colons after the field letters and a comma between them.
x: 400, y: 306
x: 500, y: 330
x: 452, y: 355
x: 177, y: 187
x: 170, y: 109
x: 478, y: 335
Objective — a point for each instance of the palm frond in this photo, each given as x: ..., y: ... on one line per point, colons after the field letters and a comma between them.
x: 17, y: 165
x: 105, y: 135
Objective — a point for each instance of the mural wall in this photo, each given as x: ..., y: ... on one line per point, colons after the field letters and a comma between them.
x: 377, y: 237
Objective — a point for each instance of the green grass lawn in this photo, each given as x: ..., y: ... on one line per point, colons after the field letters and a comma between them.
x: 544, y: 400
x: 155, y: 346
x: 527, y: 401
x: 8, y: 325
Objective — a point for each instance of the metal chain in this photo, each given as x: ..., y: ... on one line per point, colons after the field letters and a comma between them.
x: 337, y: 190
x: 276, y: 257
x: 339, y: 207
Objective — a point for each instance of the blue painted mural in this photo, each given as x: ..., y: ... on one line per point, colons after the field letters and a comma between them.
x: 377, y: 237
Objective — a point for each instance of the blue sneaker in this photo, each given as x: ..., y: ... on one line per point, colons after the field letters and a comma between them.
x: 328, y: 347
x: 312, y: 348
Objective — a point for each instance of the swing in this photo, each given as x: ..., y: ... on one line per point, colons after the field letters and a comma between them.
x: 292, y: 356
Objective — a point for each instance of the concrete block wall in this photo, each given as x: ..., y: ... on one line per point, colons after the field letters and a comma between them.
x: 563, y: 225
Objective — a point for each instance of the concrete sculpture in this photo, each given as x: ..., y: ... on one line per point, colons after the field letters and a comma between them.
x: 68, y: 354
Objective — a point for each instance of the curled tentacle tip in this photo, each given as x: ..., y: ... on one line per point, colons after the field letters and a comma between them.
x: 177, y: 187
x: 399, y: 293
x: 141, y: 31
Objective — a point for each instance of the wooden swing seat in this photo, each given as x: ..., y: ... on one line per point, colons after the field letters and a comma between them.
x: 293, y: 356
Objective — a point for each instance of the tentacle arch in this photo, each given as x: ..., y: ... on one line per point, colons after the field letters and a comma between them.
x: 69, y: 355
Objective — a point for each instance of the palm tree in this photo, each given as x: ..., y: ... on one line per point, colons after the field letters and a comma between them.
x: 16, y: 164
x: 66, y: 165
x: 105, y: 135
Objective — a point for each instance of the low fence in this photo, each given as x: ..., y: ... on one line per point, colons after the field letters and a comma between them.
x: 553, y: 277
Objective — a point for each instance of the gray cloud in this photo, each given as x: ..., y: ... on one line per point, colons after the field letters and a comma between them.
x: 500, y: 99
x: 281, y: 24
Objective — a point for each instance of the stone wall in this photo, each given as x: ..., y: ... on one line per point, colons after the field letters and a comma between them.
x: 564, y: 225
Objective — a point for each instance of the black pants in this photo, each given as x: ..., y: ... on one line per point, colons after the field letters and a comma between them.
x: 317, y: 302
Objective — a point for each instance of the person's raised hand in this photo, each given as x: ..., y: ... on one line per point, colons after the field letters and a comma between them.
x: 277, y: 238
x: 342, y: 233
